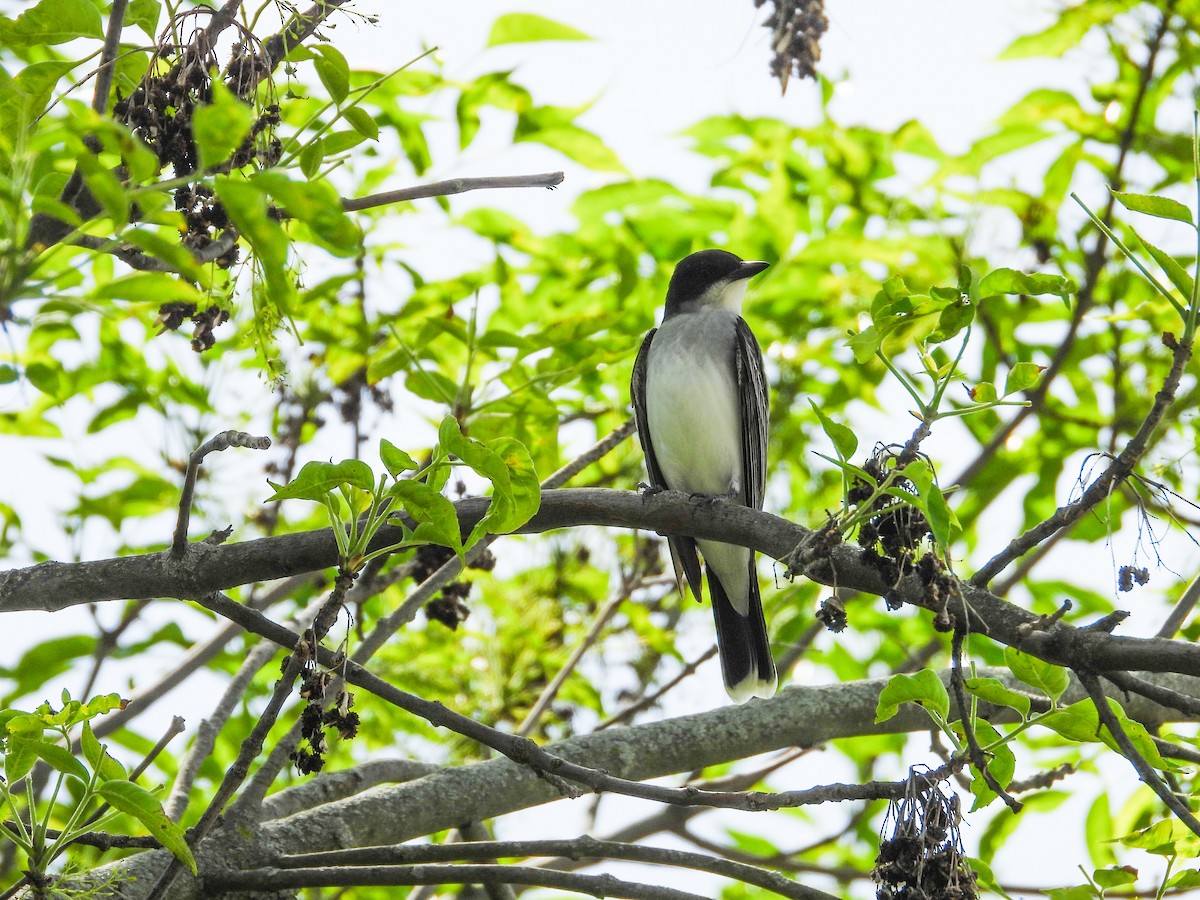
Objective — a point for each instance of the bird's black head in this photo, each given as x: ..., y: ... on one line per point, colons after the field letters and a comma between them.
x: 708, y: 278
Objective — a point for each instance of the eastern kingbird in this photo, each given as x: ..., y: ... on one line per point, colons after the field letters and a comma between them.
x: 700, y: 398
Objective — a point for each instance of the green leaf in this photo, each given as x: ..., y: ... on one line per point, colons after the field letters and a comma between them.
x: 316, y: 480
x: 992, y: 690
x: 220, y: 126
x: 1077, y: 722
x: 865, y: 344
x: 845, y: 441
x: 19, y: 756
x: 1175, y: 272
x: 1188, y: 880
x: 493, y: 89
x: 99, y: 758
x: 518, y: 28
x: 954, y: 318
x: 1079, y: 892
x: 333, y: 70
x: 1010, y: 281
x: 924, y: 689
x: 24, y: 98
x: 984, y: 392
x: 247, y: 207
x: 105, y: 187
x: 150, y: 287
x: 1166, y: 837
x: 1001, y: 765
x: 317, y: 205
x: 1115, y: 876
x: 144, y: 14
x: 525, y: 488
x: 515, y: 493
x: 337, y: 142
x: 1098, y: 832
x: 423, y: 383
x: 436, y: 517
x: 52, y: 22
x: 394, y: 459
x: 555, y: 127
x: 138, y: 802
x: 311, y: 158
x: 362, y: 122
x: 1070, y: 25
x: 942, y: 521
x: 61, y: 759
x: 1051, y: 680
x: 985, y: 878
x: 1022, y: 376
x: 1150, y: 205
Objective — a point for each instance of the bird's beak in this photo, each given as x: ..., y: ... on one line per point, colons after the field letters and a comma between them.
x: 749, y: 268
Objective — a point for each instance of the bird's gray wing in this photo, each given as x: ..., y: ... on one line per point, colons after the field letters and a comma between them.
x: 683, y: 549
x: 752, y: 394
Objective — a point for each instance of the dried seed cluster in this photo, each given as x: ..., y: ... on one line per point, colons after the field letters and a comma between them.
x: 796, y: 30
x: 309, y: 756
x: 161, y: 112
x: 923, y: 857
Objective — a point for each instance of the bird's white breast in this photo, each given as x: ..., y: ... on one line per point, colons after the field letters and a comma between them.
x: 692, y: 405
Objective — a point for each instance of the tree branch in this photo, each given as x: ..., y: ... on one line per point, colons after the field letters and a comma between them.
x: 108, y: 56
x: 796, y: 716
x: 207, y: 568
x: 329, y: 786
x: 577, y: 848
x: 452, y: 186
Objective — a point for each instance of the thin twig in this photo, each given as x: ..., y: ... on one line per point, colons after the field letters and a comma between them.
x: 595, y: 885
x: 144, y: 262
x: 196, y: 658
x: 220, y: 20
x: 975, y: 751
x: 472, y: 831
x: 650, y: 700
x: 597, y: 628
x: 555, y: 769
x: 222, y: 441
x: 1146, y: 772
x: 1182, y: 609
x: 1130, y: 683
x: 1093, y: 264
x: 1116, y: 472
x: 452, y: 186
x: 336, y: 785
x: 106, y: 641
x: 297, y: 30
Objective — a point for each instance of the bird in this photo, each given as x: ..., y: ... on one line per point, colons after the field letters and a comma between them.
x: 700, y: 401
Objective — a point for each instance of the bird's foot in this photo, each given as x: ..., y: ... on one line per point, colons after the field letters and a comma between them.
x: 716, y: 498
x: 648, y: 489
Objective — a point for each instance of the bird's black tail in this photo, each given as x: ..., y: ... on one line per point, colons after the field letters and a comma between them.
x: 742, y: 641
